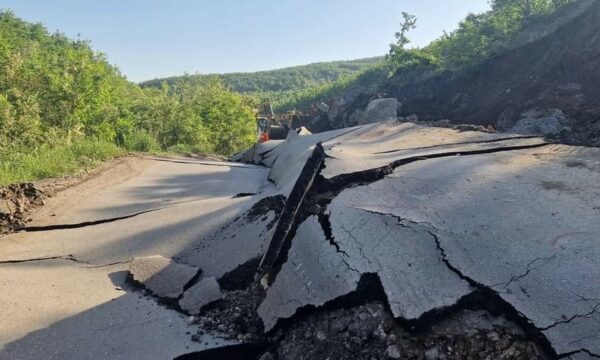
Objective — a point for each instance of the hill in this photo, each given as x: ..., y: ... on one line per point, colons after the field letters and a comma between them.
x: 527, y: 72
x: 281, y: 85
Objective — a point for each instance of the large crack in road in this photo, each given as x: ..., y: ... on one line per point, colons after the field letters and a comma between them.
x: 329, y: 187
x: 399, y: 241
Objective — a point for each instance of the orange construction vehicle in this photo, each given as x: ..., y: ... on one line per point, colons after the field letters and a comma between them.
x: 271, y: 126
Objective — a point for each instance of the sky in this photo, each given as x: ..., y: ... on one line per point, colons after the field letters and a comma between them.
x: 148, y: 39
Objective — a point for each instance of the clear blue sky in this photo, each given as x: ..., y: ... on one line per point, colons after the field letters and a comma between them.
x: 158, y: 38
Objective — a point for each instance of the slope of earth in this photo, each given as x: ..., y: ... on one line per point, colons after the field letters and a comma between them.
x: 545, y: 83
x: 561, y: 71
x: 287, y: 79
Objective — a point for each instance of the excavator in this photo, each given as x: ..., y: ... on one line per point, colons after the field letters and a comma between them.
x: 271, y: 126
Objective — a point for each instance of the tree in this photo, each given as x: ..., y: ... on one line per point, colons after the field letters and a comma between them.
x: 529, y: 8
x: 400, y: 58
x: 409, y: 23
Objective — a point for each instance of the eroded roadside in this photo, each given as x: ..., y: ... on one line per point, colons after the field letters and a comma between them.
x: 24, y: 203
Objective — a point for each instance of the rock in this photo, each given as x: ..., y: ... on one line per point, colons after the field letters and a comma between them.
x: 413, y: 118
x: 5, y: 207
x: 432, y: 354
x: 336, y: 106
x: 319, y: 123
x: 267, y: 356
x: 542, y: 122
x: 321, y: 336
x: 303, y: 131
x: 382, y: 110
x: 198, y: 296
x: 323, y: 107
x: 393, y: 352
x: 161, y: 276
x: 493, y: 336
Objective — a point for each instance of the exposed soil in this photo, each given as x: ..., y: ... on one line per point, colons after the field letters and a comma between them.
x: 235, y: 316
x: 553, y: 67
x: 560, y: 71
x: 16, y: 204
x: 369, y: 332
x: 361, y: 326
x: 366, y: 331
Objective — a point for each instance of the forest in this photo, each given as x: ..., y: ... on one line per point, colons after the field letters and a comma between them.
x: 284, y: 87
x: 292, y: 78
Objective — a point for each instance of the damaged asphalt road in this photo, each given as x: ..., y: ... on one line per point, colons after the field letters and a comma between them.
x: 438, y: 216
x: 65, y: 292
x: 390, y: 240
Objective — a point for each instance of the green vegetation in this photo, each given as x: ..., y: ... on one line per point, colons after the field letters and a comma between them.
x: 303, y: 99
x: 281, y: 80
x: 49, y: 160
x: 286, y: 88
x: 478, y: 37
x: 63, y: 106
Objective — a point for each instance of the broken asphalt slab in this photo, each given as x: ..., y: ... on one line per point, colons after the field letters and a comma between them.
x: 454, y: 211
x: 432, y: 221
x: 161, y: 276
x: 203, y: 293
x: 499, y: 225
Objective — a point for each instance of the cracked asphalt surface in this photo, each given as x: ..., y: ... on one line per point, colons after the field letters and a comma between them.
x: 421, y: 224
x: 508, y: 215
x: 64, y: 290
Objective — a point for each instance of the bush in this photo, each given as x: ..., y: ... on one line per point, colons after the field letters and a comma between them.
x: 141, y: 141
x: 20, y: 164
x: 54, y: 91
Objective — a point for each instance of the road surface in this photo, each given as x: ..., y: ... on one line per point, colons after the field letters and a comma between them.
x: 434, y: 221
x: 64, y: 293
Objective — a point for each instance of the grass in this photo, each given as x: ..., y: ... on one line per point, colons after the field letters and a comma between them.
x: 23, y: 165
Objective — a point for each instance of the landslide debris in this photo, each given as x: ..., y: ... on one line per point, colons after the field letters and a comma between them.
x: 16, y: 203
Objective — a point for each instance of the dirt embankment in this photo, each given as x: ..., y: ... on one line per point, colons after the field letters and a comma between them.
x: 546, y: 83
x: 561, y: 71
